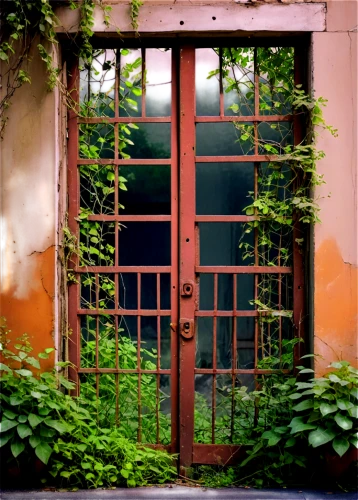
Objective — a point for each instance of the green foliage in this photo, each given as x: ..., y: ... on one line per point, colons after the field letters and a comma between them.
x: 37, y: 419
x: 135, y: 6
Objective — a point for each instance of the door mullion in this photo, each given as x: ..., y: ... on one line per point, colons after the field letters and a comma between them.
x: 187, y: 251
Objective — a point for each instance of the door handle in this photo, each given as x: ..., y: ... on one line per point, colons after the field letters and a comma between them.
x: 187, y: 328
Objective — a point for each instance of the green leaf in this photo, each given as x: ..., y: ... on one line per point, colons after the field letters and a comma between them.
x: 298, y: 425
x: 290, y: 442
x: 320, y: 436
x: 24, y: 373
x: 354, y: 392
x: 59, y: 426
x: 22, y: 419
x: 344, y: 404
x: 340, y: 446
x: 125, y: 473
x: 17, y: 447
x: 307, y: 370
x: 5, y: 368
x: 304, y: 405
x: 326, y: 408
x: 353, y: 412
x: 34, y: 420
x: 6, y: 424
x: 34, y: 440
x: 5, y: 438
x: 16, y: 400
x: 43, y: 452
x: 36, y: 394
x: 343, y: 422
x: 33, y: 362
x: 9, y: 414
x: 23, y: 431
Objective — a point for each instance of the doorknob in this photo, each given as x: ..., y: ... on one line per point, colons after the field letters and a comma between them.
x: 187, y: 328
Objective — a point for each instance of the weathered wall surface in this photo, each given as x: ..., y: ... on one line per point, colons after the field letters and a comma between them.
x: 335, y: 258
x: 28, y: 211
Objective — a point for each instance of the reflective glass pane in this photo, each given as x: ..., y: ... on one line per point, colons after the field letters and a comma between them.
x: 245, y: 292
x: 97, y: 189
x: 165, y: 342
x: 238, y: 81
x: 146, y: 141
x: 223, y: 139
x: 88, y: 340
x: 96, y: 141
x: 127, y: 342
x: 165, y: 291
x: 127, y: 290
x: 224, y: 342
x: 275, y: 137
x: 130, y: 86
x: 220, y: 244
x: 144, y: 244
x: 206, y: 292
x: 225, y: 292
x: 148, y: 291
x: 144, y: 190
x: 149, y: 343
x: 222, y: 188
x: 158, y: 82
x: 245, y: 342
x: 97, y: 84
x: 207, y: 90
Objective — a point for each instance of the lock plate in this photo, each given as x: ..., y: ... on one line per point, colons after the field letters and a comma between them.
x: 187, y: 328
x: 186, y: 288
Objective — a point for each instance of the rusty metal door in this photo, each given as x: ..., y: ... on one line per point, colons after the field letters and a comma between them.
x: 222, y: 342
x: 170, y: 281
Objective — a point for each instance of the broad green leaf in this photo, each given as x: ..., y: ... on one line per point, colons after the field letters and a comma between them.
x: 34, y: 440
x: 66, y: 383
x: 320, y: 436
x: 354, y: 441
x: 47, y: 432
x: 307, y: 370
x: 24, y: 373
x: 24, y: 430
x: 43, y: 452
x: 16, y: 400
x: 5, y: 368
x: 326, y: 408
x: 17, y: 447
x: 298, y: 425
x: 33, y: 362
x: 290, y: 442
x: 354, y: 392
x: 22, y: 419
x: 125, y: 473
x: 304, y: 405
x: 353, y: 412
x: 5, y: 438
x: 296, y: 395
x: 36, y: 394
x: 6, y: 424
x: 9, y: 414
x: 340, y: 446
x: 34, y: 420
x: 343, y: 422
x: 344, y: 404
x: 59, y: 426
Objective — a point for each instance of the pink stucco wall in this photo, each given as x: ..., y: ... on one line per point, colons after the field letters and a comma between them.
x: 31, y: 161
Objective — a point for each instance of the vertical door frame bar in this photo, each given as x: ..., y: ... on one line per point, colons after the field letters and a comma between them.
x: 187, y: 250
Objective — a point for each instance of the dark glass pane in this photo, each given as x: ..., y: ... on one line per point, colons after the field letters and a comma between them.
x: 225, y: 292
x: 207, y: 90
x: 202, y: 409
x: 96, y: 141
x: 275, y: 137
x: 150, y: 140
x: 127, y: 342
x: 219, y: 244
x: 144, y: 244
x: 127, y: 291
x: 223, y: 188
x: 238, y: 81
x: 165, y: 292
x: 204, y: 342
x: 97, y: 189
x: 245, y: 292
x: 158, y: 82
x: 88, y: 291
x: 224, y: 342
x: 223, y: 139
x: 165, y: 342
x: 206, y: 292
x: 149, y: 291
x: 88, y: 341
x: 245, y: 342
x: 130, y: 87
x: 97, y: 84
x: 144, y: 190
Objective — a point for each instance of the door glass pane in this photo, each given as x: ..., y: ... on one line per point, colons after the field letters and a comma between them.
x: 220, y: 244
x: 147, y: 140
x: 158, y: 82
x: 130, y: 84
x: 204, y: 343
x: 238, y: 81
x: 144, y: 190
x: 224, y: 139
x: 223, y: 188
x: 207, y: 90
x: 144, y: 244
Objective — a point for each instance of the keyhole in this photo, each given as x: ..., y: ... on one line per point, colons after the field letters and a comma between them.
x: 186, y: 326
x: 187, y: 289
